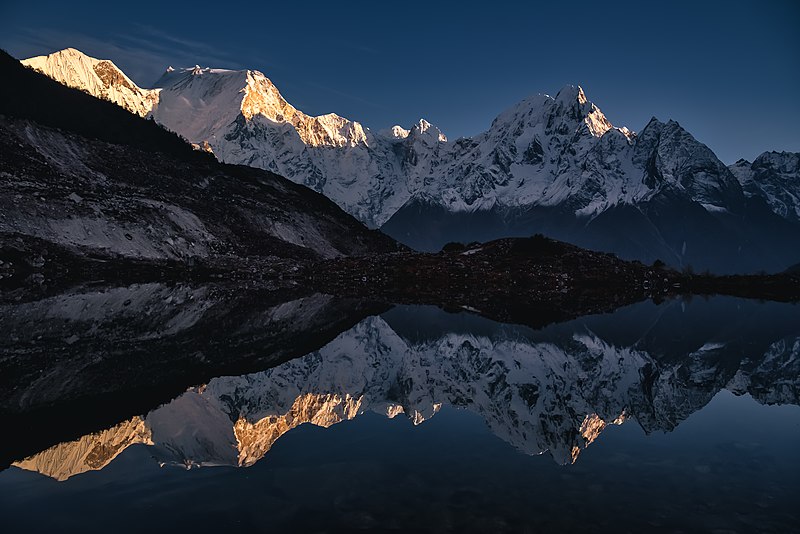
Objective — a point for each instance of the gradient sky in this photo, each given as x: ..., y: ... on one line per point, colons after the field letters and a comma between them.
x: 728, y: 71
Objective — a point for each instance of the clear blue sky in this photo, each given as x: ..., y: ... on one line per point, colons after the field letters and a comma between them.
x: 727, y: 71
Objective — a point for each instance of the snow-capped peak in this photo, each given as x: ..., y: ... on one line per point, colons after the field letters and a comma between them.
x: 99, y: 77
x: 395, y: 132
x: 202, y: 103
x: 572, y: 101
x: 424, y: 127
x: 570, y: 94
x: 569, y: 108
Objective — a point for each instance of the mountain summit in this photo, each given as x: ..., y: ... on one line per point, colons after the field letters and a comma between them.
x: 98, y: 77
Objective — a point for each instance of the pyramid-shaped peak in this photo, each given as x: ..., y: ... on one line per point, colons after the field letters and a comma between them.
x: 99, y: 77
x: 571, y: 93
x: 70, y: 51
x: 67, y: 55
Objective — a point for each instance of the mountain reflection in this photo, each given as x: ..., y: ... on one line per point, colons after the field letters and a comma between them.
x: 554, y: 390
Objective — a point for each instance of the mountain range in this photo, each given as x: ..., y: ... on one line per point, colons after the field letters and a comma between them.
x: 554, y: 165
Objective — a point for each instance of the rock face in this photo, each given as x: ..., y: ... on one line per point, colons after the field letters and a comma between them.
x: 551, y: 390
x: 549, y: 164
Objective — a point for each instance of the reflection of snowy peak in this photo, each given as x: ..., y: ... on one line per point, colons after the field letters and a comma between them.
x: 551, y: 393
x: 372, y: 368
x: 90, y: 453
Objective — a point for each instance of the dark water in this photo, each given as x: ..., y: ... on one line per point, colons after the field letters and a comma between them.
x: 681, y: 417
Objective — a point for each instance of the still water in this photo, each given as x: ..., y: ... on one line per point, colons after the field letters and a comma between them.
x: 678, y: 417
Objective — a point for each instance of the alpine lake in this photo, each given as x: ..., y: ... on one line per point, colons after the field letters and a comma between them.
x: 187, y: 408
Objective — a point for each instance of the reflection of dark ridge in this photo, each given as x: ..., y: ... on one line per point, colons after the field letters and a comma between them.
x: 668, y: 330
x: 675, y: 328
x: 118, y: 366
x: 63, y: 269
x: 419, y: 323
x: 532, y: 281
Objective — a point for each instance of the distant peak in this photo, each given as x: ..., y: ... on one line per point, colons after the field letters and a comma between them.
x: 424, y: 127
x: 395, y: 132
x: 70, y: 52
x: 653, y: 123
x: 67, y: 54
x: 571, y: 93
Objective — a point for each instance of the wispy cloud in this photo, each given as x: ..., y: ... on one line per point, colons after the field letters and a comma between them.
x: 143, y: 53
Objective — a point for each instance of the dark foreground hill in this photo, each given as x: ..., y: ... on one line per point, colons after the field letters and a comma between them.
x: 87, y: 176
x: 26, y: 94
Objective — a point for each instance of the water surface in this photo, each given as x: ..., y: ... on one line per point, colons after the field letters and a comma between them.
x: 682, y: 416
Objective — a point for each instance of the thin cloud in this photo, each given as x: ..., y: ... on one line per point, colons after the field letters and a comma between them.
x: 145, y: 53
x: 164, y: 36
x: 143, y: 56
x: 181, y: 58
x: 210, y: 55
x: 142, y: 64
